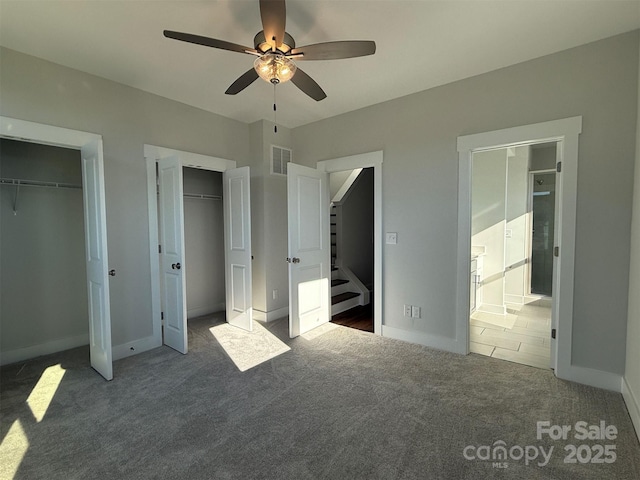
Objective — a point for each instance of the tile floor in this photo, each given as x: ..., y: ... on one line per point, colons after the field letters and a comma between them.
x: 522, y: 336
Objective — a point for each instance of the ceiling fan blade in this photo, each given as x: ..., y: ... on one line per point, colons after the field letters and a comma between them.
x: 308, y: 85
x: 274, y: 19
x: 209, y: 42
x: 335, y: 50
x: 242, y: 82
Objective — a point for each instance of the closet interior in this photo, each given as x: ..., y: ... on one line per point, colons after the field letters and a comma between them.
x: 43, y: 282
x: 204, y: 241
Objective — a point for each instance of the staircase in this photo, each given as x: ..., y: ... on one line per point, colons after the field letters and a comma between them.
x: 346, y: 290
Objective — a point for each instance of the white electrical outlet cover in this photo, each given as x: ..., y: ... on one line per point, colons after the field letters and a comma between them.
x: 392, y: 238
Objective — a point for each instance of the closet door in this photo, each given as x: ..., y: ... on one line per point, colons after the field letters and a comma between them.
x: 237, y: 246
x: 97, y: 261
x: 171, y: 217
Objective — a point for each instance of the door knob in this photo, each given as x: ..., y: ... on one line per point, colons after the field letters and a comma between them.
x: 112, y: 273
x: 176, y: 266
x: 293, y: 260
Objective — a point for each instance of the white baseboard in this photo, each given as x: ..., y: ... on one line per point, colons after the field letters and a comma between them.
x: 633, y: 405
x: 270, y: 316
x: 517, y: 299
x: 133, y: 348
x: 490, y: 308
x: 25, y: 353
x: 206, y: 310
x: 432, y: 341
x: 591, y: 377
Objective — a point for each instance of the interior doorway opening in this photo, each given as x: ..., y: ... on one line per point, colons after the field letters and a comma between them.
x: 513, y: 214
x: 352, y: 248
x: 204, y: 242
x: 187, y: 190
x: 42, y: 250
x: 97, y: 270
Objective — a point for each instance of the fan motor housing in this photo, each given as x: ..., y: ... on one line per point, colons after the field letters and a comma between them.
x: 260, y: 43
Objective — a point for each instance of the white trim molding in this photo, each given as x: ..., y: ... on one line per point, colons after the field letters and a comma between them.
x: 432, y: 341
x: 633, y: 405
x: 152, y: 153
x: 271, y: 315
x: 26, y: 353
x: 366, y: 160
x: 565, y: 132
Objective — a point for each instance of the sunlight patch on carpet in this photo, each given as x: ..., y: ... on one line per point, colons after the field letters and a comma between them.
x: 13, y: 448
x: 321, y: 330
x: 42, y: 394
x: 248, y: 349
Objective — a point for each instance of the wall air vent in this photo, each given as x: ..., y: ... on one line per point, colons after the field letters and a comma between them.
x: 280, y: 156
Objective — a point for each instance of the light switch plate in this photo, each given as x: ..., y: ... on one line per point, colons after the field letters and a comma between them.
x: 392, y: 238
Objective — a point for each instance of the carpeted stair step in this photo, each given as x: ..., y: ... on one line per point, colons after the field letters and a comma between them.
x: 343, y: 297
x: 336, y: 282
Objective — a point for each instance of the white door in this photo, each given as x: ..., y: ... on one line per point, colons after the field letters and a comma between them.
x: 237, y: 247
x: 97, y: 259
x: 309, y: 249
x: 171, y: 225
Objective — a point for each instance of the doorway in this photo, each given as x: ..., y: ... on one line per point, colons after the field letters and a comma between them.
x: 511, y: 278
x: 564, y: 133
x: 371, y: 161
x: 93, y: 212
x: 352, y: 258
x: 167, y: 194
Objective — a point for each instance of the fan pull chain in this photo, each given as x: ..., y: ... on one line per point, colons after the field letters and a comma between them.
x: 275, y: 111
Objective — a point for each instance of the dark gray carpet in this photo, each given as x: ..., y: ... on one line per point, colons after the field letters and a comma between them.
x: 345, y: 405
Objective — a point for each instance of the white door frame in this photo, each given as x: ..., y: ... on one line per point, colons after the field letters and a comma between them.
x: 366, y: 160
x: 565, y: 132
x: 23, y: 130
x: 188, y: 159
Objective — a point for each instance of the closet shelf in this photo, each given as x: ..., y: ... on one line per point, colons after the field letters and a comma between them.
x: 17, y: 183
x: 202, y: 196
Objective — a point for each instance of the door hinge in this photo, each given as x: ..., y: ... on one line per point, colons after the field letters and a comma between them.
x: 559, y: 167
x: 556, y: 251
x: 159, y: 248
x: 161, y: 315
x: 553, y: 333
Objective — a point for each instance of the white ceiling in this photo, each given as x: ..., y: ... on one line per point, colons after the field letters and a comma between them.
x: 420, y: 44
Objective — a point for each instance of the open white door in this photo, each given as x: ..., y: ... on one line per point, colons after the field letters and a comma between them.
x: 237, y: 247
x: 309, y: 249
x: 97, y: 259
x: 171, y: 234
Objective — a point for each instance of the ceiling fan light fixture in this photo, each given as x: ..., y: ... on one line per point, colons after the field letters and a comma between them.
x: 275, y: 68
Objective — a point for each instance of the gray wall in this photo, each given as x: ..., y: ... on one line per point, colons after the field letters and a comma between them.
x: 40, y: 91
x: 488, y: 210
x: 204, y: 243
x: 268, y: 219
x: 357, y: 228
x: 632, y: 371
x: 42, y: 261
x: 418, y: 135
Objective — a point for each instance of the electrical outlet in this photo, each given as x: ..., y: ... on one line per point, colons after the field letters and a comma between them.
x: 275, y: 294
x: 415, y: 312
x: 407, y: 310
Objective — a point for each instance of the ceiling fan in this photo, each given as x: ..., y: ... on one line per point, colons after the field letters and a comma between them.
x: 275, y: 50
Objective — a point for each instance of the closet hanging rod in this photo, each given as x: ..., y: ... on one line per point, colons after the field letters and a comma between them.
x: 202, y: 196
x: 16, y: 182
